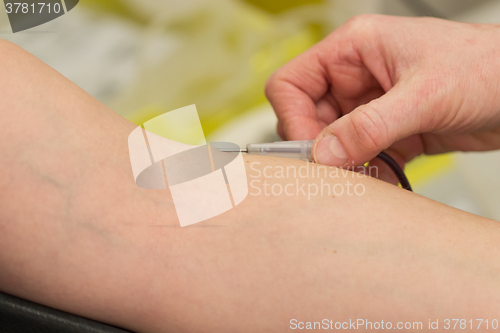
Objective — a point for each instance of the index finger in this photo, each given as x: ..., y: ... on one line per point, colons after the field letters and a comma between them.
x: 294, y: 90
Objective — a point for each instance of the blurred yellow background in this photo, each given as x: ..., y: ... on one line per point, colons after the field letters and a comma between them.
x: 228, y: 50
x: 143, y: 58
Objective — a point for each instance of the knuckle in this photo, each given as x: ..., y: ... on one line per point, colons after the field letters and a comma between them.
x: 270, y: 86
x: 365, y: 24
x: 362, y: 20
x: 370, y: 128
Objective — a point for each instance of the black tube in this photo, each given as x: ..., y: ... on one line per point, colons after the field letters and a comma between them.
x: 397, y: 170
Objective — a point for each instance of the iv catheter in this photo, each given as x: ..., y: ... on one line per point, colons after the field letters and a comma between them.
x: 301, y: 150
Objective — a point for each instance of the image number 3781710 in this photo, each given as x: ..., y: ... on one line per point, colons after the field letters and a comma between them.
x: 27, y: 14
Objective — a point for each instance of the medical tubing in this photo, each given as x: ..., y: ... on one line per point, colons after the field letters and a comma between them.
x: 403, y: 180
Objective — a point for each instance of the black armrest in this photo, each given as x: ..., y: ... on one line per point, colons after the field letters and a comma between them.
x: 21, y: 316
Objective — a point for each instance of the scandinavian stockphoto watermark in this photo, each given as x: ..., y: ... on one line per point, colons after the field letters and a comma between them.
x: 26, y: 14
x: 170, y: 152
x: 309, y: 180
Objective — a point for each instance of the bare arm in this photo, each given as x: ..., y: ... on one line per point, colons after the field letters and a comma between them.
x: 77, y: 234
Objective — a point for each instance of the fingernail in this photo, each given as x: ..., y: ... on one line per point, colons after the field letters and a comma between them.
x: 330, y: 152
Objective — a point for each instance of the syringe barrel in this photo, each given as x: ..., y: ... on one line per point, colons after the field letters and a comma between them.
x: 300, y: 150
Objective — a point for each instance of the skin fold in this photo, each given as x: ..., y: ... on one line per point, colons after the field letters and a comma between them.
x: 77, y: 234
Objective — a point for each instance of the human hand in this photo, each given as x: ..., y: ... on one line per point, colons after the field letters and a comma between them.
x: 406, y: 85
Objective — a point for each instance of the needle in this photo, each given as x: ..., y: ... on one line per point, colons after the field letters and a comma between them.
x: 234, y: 150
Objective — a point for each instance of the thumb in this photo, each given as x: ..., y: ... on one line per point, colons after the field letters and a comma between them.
x: 362, y: 134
